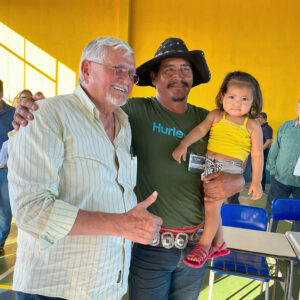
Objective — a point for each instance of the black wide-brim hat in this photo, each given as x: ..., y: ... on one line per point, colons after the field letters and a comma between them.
x: 174, y: 47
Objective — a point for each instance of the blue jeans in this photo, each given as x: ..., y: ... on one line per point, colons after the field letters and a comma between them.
x: 5, y: 210
x: 160, y: 274
x: 25, y: 296
x: 279, y: 190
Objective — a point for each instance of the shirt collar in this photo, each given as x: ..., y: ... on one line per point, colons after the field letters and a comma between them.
x: 91, y: 107
x: 84, y: 99
x: 296, y: 122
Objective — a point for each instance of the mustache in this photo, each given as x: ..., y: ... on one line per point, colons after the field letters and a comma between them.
x: 184, y: 83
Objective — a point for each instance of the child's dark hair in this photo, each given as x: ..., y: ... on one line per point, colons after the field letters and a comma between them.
x: 254, y: 85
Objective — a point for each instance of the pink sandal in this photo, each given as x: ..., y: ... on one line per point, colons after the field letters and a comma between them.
x: 200, y: 254
x: 218, y: 251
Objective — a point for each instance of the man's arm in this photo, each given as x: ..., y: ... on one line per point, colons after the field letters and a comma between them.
x: 36, y: 156
x: 268, y: 136
x: 267, y: 144
x: 137, y: 225
x: 219, y: 186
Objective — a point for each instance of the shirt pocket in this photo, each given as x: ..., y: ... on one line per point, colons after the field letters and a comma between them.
x: 127, y: 174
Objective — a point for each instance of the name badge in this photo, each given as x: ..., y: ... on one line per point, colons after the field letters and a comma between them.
x: 297, y: 168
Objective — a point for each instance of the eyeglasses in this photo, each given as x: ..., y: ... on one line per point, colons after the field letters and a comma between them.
x: 120, y: 71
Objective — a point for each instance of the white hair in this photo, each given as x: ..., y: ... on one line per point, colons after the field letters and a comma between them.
x: 97, y: 50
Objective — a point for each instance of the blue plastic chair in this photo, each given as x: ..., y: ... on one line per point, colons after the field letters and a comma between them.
x: 285, y: 209
x: 247, y: 217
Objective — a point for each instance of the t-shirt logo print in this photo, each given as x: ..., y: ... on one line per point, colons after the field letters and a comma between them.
x: 157, y: 127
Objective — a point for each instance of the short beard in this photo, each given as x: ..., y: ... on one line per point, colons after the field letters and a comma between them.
x: 115, y: 101
x: 180, y: 99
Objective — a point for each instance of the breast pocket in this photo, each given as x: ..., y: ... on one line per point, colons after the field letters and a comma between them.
x: 128, y: 171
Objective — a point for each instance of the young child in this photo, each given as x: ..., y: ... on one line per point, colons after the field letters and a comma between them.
x: 233, y: 134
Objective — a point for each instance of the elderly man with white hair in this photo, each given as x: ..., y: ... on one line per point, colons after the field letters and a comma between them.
x: 72, y: 188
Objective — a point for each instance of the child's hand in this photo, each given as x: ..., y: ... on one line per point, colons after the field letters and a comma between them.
x: 256, y: 189
x: 178, y: 152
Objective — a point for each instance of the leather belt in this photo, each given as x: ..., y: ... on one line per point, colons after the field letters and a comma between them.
x: 179, y: 238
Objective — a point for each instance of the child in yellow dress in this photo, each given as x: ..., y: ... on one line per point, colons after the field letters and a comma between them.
x: 233, y: 135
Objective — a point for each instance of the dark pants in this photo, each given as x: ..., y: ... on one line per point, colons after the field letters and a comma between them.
x: 5, y: 210
x: 157, y: 273
x: 25, y: 296
x: 279, y: 190
x: 248, y: 170
x: 234, y: 199
x: 264, y: 174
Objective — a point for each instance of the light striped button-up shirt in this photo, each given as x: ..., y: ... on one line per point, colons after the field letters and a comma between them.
x: 61, y: 162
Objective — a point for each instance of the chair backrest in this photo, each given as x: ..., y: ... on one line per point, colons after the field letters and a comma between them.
x: 243, y: 216
x: 286, y: 209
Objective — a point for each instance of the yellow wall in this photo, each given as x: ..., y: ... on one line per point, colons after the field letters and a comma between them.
x: 259, y: 37
x: 256, y: 36
x: 62, y: 28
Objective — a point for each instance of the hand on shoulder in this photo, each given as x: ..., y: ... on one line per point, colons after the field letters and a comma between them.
x: 22, y: 114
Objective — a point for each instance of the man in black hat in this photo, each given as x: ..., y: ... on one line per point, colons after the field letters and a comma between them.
x: 158, y: 124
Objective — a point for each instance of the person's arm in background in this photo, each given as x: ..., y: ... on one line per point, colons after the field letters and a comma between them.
x: 267, y: 144
x: 268, y: 136
x: 4, y: 155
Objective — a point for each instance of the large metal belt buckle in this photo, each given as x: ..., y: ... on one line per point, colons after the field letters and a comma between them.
x: 167, y: 240
x: 156, y: 241
x: 181, y: 240
x: 195, y: 237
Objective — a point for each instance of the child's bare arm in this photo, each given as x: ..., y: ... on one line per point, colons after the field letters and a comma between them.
x: 257, y: 159
x: 195, y: 135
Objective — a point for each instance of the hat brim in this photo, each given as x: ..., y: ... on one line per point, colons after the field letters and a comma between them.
x: 196, y: 58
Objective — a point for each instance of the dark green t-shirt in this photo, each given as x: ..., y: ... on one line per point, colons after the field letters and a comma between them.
x: 156, y: 132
